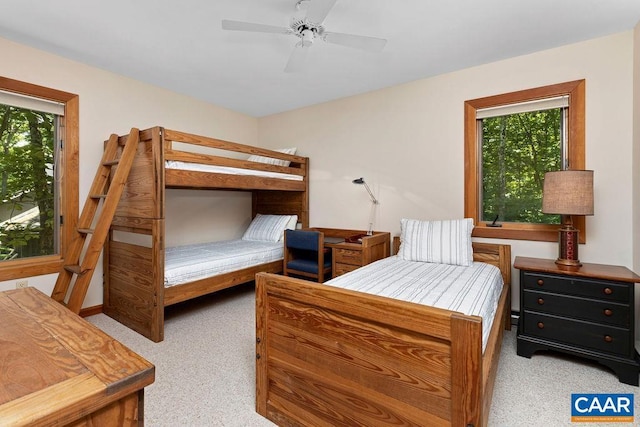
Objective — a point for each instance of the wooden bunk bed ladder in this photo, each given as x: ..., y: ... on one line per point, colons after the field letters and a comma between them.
x: 94, y: 222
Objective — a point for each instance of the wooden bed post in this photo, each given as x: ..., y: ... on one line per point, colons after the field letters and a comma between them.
x: 466, y: 371
x: 157, y: 310
x: 261, y: 345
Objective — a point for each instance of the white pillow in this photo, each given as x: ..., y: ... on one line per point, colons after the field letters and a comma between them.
x: 291, y: 225
x: 268, y: 228
x: 271, y: 160
x: 442, y: 242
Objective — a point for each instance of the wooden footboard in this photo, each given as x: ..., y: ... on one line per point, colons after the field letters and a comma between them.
x: 331, y: 357
x: 133, y: 293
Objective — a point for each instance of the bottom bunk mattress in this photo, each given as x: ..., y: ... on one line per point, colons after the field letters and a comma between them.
x: 473, y: 290
x: 198, y: 261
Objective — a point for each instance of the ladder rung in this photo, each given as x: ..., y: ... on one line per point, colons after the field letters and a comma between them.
x: 86, y: 230
x: 98, y: 196
x: 111, y: 162
x: 75, y: 269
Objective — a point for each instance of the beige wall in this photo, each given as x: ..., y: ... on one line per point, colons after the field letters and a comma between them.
x: 407, y: 141
x: 110, y: 103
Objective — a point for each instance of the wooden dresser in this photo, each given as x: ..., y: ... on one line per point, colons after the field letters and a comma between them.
x: 346, y: 257
x: 586, y: 311
x: 58, y: 369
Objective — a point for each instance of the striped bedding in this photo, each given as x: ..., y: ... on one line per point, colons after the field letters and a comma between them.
x: 473, y: 290
x: 192, y: 262
x: 172, y: 164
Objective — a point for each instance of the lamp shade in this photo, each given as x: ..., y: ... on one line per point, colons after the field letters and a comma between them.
x: 568, y: 192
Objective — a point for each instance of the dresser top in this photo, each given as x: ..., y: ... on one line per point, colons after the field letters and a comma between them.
x: 54, y: 364
x: 594, y: 271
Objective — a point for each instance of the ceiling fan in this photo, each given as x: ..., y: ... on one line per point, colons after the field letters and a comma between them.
x: 308, y: 29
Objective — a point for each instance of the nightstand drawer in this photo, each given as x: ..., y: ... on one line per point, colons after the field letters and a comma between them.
x: 584, y: 334
x: 579, y: 308
x: 577, y: 286
x: 344, y: 268
x: 348, y: 256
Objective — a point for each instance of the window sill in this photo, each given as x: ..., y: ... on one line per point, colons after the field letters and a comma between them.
x: 520, y: 231
x: 29, y: 267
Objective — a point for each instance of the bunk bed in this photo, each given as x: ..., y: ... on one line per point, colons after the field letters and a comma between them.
x: 328, y: 356
x: 134, y: 274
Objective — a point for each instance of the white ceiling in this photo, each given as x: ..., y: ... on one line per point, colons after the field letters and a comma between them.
x: 179, y: 44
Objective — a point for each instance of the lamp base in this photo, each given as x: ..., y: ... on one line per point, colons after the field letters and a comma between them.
x: 568, y: 248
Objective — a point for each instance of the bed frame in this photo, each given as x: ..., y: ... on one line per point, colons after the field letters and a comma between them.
x: 333, y: 357
x: 134, y: 292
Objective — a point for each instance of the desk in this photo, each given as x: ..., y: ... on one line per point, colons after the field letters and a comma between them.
x: 58, y: 369
x: 346, y: 257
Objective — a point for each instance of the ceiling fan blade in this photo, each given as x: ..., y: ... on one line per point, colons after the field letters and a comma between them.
x: 319, y: 9
x: 372, y: 44
x: 250, y: 26
x: 297, y: 59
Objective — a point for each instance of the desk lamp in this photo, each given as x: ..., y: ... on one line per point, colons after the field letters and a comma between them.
x: 567, y: 193
x: 360, y: 181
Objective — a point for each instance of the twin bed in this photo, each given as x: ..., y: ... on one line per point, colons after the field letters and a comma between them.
x: 341, y: 354
x: 137, y: 286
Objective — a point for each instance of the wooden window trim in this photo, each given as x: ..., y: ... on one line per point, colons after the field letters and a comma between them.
x: 36, y: 266
x: 576, y: 155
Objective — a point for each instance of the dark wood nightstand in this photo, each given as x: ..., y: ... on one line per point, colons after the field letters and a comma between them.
x: 586, y: 311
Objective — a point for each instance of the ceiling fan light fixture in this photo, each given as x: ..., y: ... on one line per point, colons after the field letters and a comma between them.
x: 307, y: 36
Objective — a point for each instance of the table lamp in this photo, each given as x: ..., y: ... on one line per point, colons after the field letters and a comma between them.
x: 567, y: 193
x: 361, y: 181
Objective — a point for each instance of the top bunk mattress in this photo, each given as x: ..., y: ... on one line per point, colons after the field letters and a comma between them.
x: 193, y: 262
x: 172, y: 164
x: 473, y: 290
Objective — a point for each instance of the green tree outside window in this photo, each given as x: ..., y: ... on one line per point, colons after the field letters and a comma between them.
x: 27, y: 186
x: 517, y: 150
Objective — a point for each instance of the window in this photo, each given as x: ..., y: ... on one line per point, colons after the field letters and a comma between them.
x: 510, y: 141
x: 29, y: 193
x: 38, y: 177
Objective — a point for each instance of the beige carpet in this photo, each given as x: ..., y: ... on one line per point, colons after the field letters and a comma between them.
x: 205, y: 371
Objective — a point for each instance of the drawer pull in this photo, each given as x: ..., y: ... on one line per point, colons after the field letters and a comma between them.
x: 608, y: 291
x: 608, y: 338
x: 540, y: 282
x: 541, y: 301
x: 540, y: 325
x: 608, y: 312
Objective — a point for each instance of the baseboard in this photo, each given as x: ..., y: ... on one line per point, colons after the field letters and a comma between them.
x: 90, y: 311
x: 515, y: 315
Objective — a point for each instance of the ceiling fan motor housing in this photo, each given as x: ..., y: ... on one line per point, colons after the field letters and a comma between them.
x: 307, y: 31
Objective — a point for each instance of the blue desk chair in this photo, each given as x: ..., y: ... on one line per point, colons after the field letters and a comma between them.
x: 305, y: 255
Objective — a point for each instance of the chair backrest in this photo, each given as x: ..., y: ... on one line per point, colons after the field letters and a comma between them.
x: 303, y: 240
x: 304, y: 255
